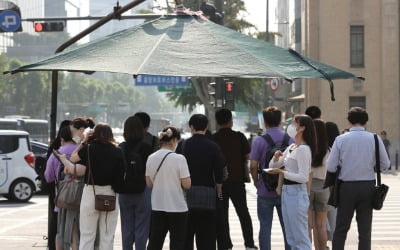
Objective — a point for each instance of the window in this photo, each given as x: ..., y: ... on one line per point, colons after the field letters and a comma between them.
x: 8, y: 143
x: 357, y: 101
x: 357, y: 46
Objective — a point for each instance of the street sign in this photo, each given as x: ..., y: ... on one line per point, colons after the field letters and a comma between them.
x: 160, y: 80
x: 181, y: 89
x: 274, y: 84
x: 10, y: 21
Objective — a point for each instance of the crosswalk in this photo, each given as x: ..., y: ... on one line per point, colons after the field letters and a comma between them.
x: 18, y: 220
x: 385, y: 229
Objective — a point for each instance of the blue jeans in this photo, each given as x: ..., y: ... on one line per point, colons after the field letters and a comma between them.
x: 135, y: 219
x: 265, y: 212
x: 295, y: 204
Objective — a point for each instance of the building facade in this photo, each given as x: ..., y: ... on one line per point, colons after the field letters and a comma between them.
x: 360, y: 36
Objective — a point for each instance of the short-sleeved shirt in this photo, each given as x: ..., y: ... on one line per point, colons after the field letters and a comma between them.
x: 259, y: 153
x: 106, y: 162
x: 167, y: 193
x: 235, y: 147
x: 204, y: 158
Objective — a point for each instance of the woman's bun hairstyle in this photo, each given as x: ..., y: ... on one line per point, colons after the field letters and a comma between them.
x: 90, y: 122
x: 168, y: 134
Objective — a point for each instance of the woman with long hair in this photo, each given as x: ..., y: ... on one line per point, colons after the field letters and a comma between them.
x: 167, y: 173
x: 296, y: 161
x: 332, y: 131
x: 135, y: 222
x: 68, y: 219
x: 317, y: 213
x: 103, y: 174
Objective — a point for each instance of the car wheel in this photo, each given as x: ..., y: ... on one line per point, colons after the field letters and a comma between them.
x: 21, y: 190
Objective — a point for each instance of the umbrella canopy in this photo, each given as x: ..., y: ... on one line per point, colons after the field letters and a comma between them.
x: 187, y: 46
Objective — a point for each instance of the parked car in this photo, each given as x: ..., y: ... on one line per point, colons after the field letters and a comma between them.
x: 17, y: 162
x: 40, y: 151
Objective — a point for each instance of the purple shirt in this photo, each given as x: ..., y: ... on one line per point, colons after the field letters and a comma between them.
x: 53, y: 164
x: 258, y: 153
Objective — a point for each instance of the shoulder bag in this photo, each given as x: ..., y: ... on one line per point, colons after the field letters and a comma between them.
x: 103, y: 202
x: 381, y: 189
x: 69, y: 191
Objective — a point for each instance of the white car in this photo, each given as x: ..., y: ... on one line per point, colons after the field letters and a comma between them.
x: 17, y: 173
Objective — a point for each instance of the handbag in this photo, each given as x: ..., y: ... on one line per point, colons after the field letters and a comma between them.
x: 201, y: 197
x: 332, y: 180
x: 102, y: 202
x: 69, y: 192
x: 381, y: 189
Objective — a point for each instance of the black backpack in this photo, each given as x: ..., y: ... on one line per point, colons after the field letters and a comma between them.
x: 134, y: 174
x: 271, y: 180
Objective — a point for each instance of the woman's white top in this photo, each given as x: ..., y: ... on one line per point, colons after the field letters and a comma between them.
x: 320, y: 171
x: 167, y: 194
x: 297, y: 162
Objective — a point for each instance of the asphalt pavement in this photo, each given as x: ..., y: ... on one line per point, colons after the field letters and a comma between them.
x: 24, y: 226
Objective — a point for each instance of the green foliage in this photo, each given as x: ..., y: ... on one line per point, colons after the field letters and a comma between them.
x: 29, y: 94
x: 246, y: 90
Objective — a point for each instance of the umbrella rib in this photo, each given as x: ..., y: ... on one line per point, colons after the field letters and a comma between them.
x: 151, y: 52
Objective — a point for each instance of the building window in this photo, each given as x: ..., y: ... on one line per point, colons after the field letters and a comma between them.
x: 357, y: 101
x: 357, y: 46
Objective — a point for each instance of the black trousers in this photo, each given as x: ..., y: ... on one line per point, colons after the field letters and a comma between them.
x: 356, y: 197
x: 235, y: 191
x: 161, y: 223
x: 202, y: 224
x: 52, y: 218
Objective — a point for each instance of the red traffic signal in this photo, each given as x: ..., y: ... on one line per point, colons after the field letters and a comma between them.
x: 229, y: 86
x: 48, y: 26
x: 38, y: 27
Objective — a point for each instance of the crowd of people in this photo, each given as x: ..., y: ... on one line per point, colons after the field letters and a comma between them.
x: 163, y: 184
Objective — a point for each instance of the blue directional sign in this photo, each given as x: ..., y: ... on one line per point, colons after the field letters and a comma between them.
x: 160, y: 80
x: 10, y: 21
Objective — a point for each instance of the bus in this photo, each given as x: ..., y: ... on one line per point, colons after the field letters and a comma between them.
x: 38, y: 129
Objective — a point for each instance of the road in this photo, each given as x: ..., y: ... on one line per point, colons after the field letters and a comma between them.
x: 24, y: 226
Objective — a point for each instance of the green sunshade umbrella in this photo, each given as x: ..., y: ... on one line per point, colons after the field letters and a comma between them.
x: 187, y: 46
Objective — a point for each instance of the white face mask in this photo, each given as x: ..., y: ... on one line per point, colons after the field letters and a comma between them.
x: 77, y: 139
x: 292, y: 130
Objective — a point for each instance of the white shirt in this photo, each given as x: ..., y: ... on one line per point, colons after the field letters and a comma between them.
x: 167, y: 194
x: 354, y: 151
x: 297, y: 162
x: 320, y: 171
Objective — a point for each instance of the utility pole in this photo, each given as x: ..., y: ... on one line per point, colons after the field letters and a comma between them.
x: 267, y: 23
x: 219, y: 81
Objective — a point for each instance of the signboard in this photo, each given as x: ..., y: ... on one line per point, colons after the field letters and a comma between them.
x: 160, y: 80
x: 274, y: 84
x: 181, y: 89
x: 10, y: 17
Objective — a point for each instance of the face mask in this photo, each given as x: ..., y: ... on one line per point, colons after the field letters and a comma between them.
x: 77, y: 139
x: 291, y: 130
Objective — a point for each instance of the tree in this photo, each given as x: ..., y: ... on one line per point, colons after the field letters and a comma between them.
x: 245, y: 88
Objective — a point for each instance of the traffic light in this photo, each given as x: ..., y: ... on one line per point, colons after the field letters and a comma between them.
x: 48, y: 26
x: 229, y: 96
